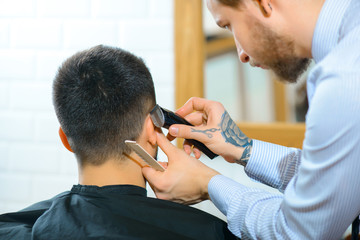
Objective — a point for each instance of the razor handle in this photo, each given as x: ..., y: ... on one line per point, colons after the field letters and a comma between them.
x: 172, y: 118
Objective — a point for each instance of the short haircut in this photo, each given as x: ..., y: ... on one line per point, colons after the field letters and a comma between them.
x: 101, y: 97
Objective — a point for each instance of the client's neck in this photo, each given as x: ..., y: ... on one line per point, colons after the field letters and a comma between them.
x: 112, y: 172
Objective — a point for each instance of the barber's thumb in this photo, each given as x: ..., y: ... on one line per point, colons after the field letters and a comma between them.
x: 164, y: 143
x: 180, y: 130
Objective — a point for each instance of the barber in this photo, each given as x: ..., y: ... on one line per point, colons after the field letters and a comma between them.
x: 320, y: 183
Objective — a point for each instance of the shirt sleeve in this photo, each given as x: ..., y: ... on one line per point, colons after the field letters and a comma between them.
x: 272, y: 164
x: 321, y: 196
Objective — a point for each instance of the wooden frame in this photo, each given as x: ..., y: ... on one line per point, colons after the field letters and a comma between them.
x: 286, y: 134
x: 189, y: 50
x: 190, y: 53
x: 280, y: 106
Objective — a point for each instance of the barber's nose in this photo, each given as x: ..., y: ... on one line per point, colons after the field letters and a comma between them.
x: 244, y: 58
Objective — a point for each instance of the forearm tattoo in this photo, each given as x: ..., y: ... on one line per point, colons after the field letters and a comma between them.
x: 233, y: 135
x: 208, y: 132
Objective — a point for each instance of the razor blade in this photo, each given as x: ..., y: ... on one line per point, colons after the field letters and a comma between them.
x: 144, y: 155
x: 162, y: 117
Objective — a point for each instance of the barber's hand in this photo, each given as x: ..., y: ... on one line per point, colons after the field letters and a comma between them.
x: 214, y: 128
x: 185, y: 179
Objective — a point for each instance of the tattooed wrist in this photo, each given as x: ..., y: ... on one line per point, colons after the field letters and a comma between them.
x: 231, y: 132
x: 233, y: 135
x: 246, y: 155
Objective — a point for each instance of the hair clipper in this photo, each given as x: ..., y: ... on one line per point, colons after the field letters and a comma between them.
x: 162, y: 117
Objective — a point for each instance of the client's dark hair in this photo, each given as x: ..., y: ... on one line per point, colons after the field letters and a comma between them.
x: 101, y: 97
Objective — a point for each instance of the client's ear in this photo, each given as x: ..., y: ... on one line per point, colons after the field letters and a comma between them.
x: 150, y: 130
x: 64, y: 140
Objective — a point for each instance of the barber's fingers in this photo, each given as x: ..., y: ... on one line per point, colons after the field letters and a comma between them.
x: 211, y: 111
x: 187, y: 147
x: 196, y: 118
x: 193, y: 104
x: 166, y: 145
x: 189, y: 132
x: 197, y: 152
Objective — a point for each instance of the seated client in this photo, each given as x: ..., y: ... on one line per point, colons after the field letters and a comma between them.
x: 102, y: 97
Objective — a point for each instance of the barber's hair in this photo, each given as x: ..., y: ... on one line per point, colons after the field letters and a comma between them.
x: 101, y: 97
x: 231, y: 3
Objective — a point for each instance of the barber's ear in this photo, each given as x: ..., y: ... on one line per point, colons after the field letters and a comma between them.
x: 265, y: 6
x: 150, y: 130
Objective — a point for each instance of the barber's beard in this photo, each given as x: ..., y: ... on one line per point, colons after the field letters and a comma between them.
x: 278, y: 54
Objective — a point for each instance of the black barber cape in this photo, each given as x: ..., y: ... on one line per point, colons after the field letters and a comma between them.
x: 110, y: 212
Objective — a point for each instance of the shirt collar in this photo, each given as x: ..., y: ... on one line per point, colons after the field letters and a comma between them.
x: 111, y: 189
x: 327, y: 27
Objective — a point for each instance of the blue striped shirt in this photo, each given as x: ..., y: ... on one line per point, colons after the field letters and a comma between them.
x: 321, y: 183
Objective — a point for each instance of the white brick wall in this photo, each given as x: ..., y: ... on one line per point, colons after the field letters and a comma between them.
x: 78, y: 33
x: 38, y: 34
x: 16, y: 126
x: 121, y: 8
x: 17, y: 64
x: 4, y: 34
x: 17, y: 8
x: 35, y: 38
x: 64, y: 8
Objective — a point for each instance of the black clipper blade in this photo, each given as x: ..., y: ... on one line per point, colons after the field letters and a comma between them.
x: 162, y: 117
